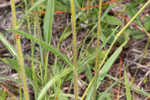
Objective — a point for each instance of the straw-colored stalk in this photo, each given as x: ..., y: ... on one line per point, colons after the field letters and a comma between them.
x: 97, y: 47
x: 116, y: 37
x: 19, y: 51
x: 74, y: 49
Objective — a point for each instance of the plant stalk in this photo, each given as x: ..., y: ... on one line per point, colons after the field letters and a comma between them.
x: 74, y: 49
x: 19, y: 51
x: 97, y: 47
x: 114, y: 41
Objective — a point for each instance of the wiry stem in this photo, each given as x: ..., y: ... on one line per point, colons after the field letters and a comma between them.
x: 114, y: 41
x: 19, y: 51
x: 97, y: 47
x: 74, y: 49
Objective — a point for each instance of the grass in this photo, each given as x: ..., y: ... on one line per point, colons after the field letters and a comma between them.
x: 97, y: 47
x: 19, y: 52
x: 48, y: 79
x: 74, y: 43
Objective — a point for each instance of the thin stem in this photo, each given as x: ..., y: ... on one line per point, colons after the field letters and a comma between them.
x: 122, y: 30
x: 114, y: 41
x: 74, y: 49
x: 19, y: 51
x: 97, y: 47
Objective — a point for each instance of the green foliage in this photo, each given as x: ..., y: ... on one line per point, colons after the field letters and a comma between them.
x: 112, y: 20
x: 137, y: 34
x: 14, y: 65
x: 90, y: 51
x: 146, y: 22
x: 62, y: 69
x: 52, y: 81
x: 127, y: 86
x: 3, y: 95
x: 48, y: 20
x: 8, y: 45
x: 105, y: 69
x: 131, y: 9
x: 107, y: 96
x: 62, y: 5
x: 45, y: 45
x: 47, y: 28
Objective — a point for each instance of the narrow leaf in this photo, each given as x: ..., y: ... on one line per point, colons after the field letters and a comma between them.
x: 127, y: 86
x: 48, y: 20
x: 112, y: 20
x: 44, y: 45
x: 8, y: 45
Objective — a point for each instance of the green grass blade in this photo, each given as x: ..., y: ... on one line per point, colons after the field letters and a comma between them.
x: 133, y: 87
x: 91, y: 57
x: 120, y: 33
x: 105, y: 69
x: 28, y: 12
x: 48, y: 20
x: 52, y: 81
x: 34, y: 7
x: 47, y: 27
x: 127, y: 86
x: 8, y: 45
x: 44, y: 45
x: 139, y: 91
x: 132, y: 19
x: 109, y: 63
x: 103, y: 94
x: 13, y: 63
